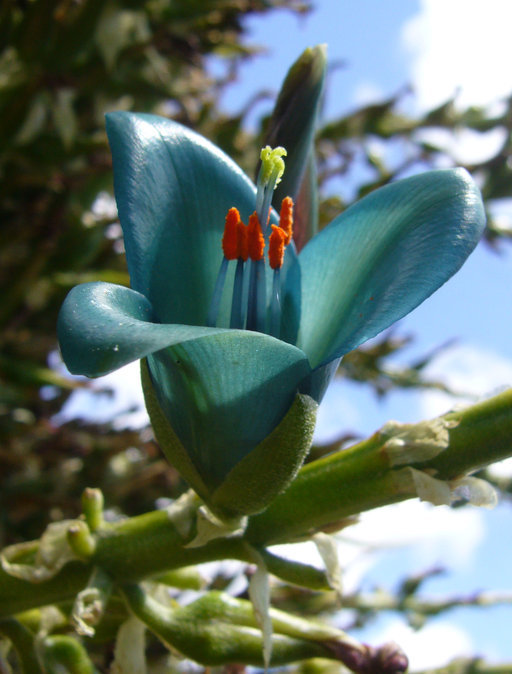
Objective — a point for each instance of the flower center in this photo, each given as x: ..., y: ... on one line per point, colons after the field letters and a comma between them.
x: 241, y: 243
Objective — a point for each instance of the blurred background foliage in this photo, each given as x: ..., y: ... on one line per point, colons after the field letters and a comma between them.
x: 63, y: 64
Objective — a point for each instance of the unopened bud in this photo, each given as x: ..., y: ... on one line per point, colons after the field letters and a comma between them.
x: 80, y: 540
x: 92, y: 506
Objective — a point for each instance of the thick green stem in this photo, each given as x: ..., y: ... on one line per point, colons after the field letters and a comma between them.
x: 217, y: 629
x: 325, y: 493
x: 360, y: 478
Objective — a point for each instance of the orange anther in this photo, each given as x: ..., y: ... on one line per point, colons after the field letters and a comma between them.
x: 286, y: 218
x: 243, y: 243
x: 276, y: 245
x: 230, y: 238
x: 256, y: 241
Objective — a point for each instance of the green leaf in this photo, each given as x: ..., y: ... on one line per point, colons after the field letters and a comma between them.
x: 118, y: 29
x: 64, y: 116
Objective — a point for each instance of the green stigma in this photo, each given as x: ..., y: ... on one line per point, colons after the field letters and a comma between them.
x: 272, y: 164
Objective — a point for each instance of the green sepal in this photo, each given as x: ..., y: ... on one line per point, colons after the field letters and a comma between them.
x: 260, y: 476
x: 169, y: 442
x: 271, y: 466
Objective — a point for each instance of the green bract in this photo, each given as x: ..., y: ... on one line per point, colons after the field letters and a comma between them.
x: 235, y: 407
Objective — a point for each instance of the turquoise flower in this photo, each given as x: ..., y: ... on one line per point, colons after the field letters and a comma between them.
x: 233, y: 407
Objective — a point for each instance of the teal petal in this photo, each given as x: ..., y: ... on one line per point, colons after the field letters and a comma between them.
x: 293, y: 120
x: 382, y: 257
x: 225, y: 393
x: 305, y: 213
x: 103, y: 326
x: 316, y: 383
x: 173, y: 190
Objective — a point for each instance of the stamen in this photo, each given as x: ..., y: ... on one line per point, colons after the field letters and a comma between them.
x: 286, y: 218
x: 275, y: 304
x: 255, y: 238
x: 237, y: 319
x: 257, y: 291
x: 231, y: 236
x: 230, y: 245
x: 276, y: 246
x: 243, y: 241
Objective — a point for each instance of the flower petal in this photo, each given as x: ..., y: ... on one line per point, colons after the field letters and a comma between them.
x: 384, y: 256
x: 293, y: 120
x: 305, y: 216
x: 225, y: 393
x: 173, y: 190
x: 103, y: 326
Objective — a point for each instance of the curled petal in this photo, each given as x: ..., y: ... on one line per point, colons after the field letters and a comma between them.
x: 103, y: 326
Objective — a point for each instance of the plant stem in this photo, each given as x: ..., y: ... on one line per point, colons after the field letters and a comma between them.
x: 324, y: 494
x: 22, y: 640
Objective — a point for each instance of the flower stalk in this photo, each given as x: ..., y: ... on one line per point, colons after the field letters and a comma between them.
x: 218, y: 629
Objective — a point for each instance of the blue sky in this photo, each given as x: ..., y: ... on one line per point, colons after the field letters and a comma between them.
x: 349, y: 29
x: 439, y: 48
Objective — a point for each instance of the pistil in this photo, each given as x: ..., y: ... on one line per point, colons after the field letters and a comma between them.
x: 271, y: 170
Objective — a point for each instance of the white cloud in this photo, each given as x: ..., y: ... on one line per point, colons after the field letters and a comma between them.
x: 433, y: 646
x: 416, y: 535
x: 465, y: 369
x: 366, y: 93
x: 464, y: 145
x: 433, y: 534
x: 502, y: 469
x: 117, y: 396
x: 459, y: 46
